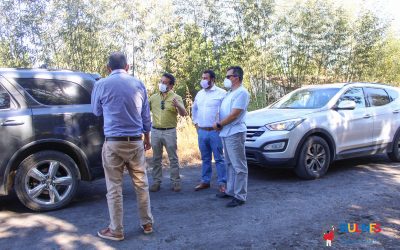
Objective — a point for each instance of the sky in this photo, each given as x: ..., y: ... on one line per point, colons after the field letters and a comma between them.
x: 387, y: 9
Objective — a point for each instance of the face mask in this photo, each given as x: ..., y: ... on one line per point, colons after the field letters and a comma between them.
x: 204, y: 84
x: 162, y: 87
x: 227, y: 83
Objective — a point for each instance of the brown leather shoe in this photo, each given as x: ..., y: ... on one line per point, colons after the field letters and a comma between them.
x: 148, y: 228
x: 222, y: 188
x: 155, y: 187
x: 109, y: 234
x: 176, y: 187
x: 202, y: 186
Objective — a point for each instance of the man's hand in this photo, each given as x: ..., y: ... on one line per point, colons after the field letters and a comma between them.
x: 146, y: 142
x: 216, y: 127
x: 175, y: 103
x: 181, y: 109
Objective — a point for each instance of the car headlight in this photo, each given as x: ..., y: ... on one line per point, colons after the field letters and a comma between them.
x: 284, y: 125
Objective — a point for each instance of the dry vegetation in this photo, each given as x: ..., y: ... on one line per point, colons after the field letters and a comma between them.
x: 188, y: 150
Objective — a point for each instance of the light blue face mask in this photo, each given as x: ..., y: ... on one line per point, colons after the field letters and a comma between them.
x: 204, y: 84
x: 162, y: 87
x: 227, y: 83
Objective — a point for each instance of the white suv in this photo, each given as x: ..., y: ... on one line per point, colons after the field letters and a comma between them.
x: 315, y: 125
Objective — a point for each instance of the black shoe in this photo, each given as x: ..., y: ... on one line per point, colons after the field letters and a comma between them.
x: 235, y: 202
x: 223, y: 195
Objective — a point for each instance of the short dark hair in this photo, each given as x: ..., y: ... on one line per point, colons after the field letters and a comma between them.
x: 210, y: 72
x: 237, y: 71
x: 117, y: 60
x: 170, y: 77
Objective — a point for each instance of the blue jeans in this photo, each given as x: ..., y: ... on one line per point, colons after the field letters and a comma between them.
x: 210, y: 143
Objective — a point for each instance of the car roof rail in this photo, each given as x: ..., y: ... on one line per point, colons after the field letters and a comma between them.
x: 377, y: 83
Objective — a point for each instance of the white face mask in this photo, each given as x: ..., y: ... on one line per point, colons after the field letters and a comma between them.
x: 204, y: 84
x: 162, y: 87
x: 227, y: 83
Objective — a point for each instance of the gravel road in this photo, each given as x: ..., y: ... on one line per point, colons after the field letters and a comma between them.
x: 282, y: 212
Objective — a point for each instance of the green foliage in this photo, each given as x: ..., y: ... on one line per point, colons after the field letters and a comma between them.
x: 315, y: 41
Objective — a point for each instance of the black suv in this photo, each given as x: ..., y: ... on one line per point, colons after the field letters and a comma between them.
x: 49, y: 138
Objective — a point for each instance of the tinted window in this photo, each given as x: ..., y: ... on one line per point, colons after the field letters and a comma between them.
x: 55, y: 92
x: 354, y: 94
x: 393, y: 94
x: 377, y: 97
x: 4, y: 99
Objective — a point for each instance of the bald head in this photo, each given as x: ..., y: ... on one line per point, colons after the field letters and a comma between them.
x: 117, y: 60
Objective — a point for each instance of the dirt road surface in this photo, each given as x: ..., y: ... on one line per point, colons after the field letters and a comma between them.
x: 282, y: 212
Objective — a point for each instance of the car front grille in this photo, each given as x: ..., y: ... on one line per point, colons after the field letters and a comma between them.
x: 253, y: 133
x: 250, y: 156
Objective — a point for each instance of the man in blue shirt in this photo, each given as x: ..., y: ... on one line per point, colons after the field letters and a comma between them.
x: 122, y: 100
x: 233, y: 133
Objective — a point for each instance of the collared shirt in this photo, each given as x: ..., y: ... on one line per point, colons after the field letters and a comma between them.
x: 122, y: 100
x: 236, y: 99
x: 205, y: 110
x: 167, y: 117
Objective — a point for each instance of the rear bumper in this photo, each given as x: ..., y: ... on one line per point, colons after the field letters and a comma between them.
x: 256, y: 156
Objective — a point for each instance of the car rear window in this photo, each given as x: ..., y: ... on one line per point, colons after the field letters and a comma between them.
x: 377, y: 96
x: 4, y: 99
x: 55, y: 92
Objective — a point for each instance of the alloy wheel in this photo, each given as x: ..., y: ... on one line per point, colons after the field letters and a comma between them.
x: 316, y: 157
x: 48, y: 182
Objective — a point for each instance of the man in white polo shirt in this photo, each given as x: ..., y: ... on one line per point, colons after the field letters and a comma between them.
x: 205, y: 113
x: 233, y: 133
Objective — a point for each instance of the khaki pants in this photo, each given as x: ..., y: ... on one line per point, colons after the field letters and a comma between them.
x: 116, y: 155
x: 167, y: 139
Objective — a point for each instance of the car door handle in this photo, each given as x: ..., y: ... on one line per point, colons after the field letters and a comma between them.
x: 367, y: 116
x: 396, y: 111
x: 11, y: 123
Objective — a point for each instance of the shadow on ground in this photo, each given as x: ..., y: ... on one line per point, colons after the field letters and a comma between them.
x: 281, y: 212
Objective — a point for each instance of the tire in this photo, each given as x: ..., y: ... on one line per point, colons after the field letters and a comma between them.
x: 46, y: 180
x: 395, y: 154
x: 314, y: 158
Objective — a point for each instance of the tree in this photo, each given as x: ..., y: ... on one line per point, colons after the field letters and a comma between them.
x: 367, y: 42
x: 20, y: 31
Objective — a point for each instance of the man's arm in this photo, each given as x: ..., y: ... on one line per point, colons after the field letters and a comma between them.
x: 239, y: 105
x: 146, y: 141
x: 230, y: 118
x: 178, y: 104
x: 146, y: 119
x: 97, y: 109
x: 194, y: 112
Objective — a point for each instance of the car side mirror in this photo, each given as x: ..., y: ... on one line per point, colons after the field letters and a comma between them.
x: 346, y: 105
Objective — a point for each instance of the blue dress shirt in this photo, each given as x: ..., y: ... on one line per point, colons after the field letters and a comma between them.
x: 122, y: 100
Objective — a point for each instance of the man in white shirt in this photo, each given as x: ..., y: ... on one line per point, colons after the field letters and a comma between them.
x: 233, y: 133
x: 205, y: 113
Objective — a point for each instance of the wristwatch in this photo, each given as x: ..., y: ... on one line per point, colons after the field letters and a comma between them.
x: 219, y: 125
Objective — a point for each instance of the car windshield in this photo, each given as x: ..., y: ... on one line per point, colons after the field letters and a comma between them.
x: 311, y: 98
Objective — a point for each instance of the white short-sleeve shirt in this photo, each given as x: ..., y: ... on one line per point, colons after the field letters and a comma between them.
x: 236, y: 99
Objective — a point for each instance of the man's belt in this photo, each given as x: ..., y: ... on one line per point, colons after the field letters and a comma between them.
x: 162, y: 128
x: 124, y: 138
x: 207, y: 128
